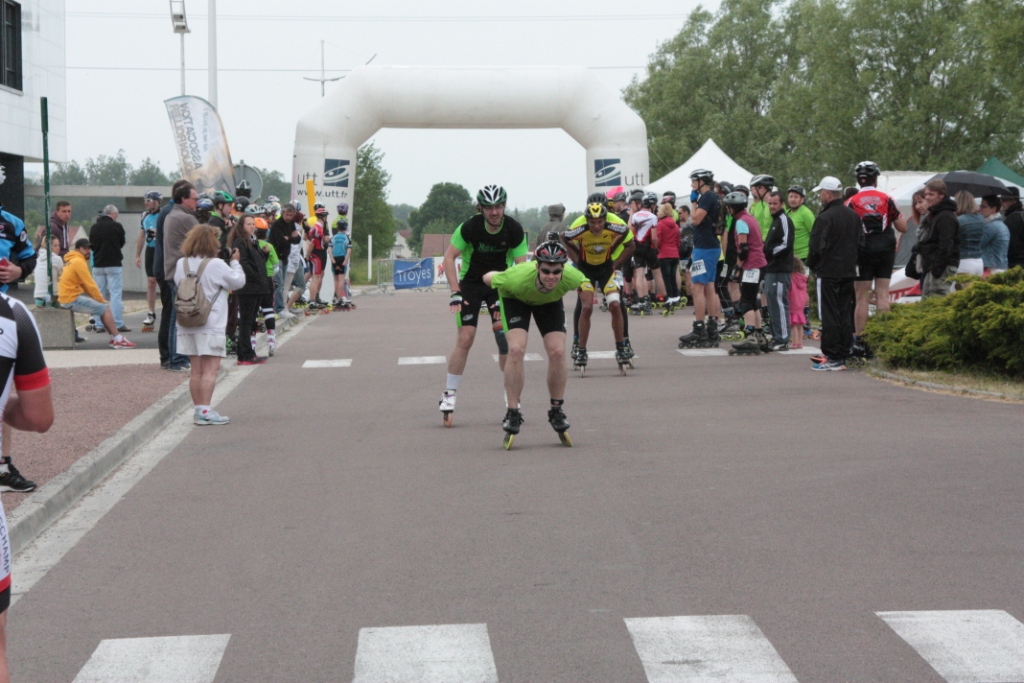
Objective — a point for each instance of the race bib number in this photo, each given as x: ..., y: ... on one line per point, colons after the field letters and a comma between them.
x: 698, y: 267
x: 751, y: 276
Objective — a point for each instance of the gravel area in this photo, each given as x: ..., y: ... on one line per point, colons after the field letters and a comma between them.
x: 91, y: 404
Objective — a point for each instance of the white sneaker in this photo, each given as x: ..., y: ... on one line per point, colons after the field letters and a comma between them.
x: 212, y: 417
x: 447, y: 404
x: 286, y: 315
x: 271, y: 345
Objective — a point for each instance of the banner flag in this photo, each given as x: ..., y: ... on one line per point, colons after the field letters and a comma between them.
x: 414, y: 274
x: 202, y: 146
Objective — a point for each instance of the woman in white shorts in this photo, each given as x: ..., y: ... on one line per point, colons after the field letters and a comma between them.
x: 205, y: 345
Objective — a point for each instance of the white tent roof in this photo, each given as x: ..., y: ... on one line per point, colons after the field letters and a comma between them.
x: 711, y: 157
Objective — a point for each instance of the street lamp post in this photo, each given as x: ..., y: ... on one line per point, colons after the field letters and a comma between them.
x: 180, y: 24
x: 213, y: 53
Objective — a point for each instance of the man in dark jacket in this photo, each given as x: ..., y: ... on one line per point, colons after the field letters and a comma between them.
x: 178, y: 362
x: 937, y: 252
x: 832, y: 256
x: 1013, y: 216
x: 171, y: 230
x: 107, y: 238
x: 284, y: 232
x: 778, y: 249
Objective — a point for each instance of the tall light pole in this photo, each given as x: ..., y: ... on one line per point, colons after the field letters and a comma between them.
x: 180, y: 24
x: 213, y: 53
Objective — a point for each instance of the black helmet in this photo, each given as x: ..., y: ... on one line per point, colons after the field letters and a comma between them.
x: 619, y: 197
x: 595, y: 210
x: 867, y: 169
x: 241, y: 203
x: 703, y: 175
x: 244, y: 189
x: 551, y: 252
x: 764, y: 180
x: 741, y: 188
x: 596, y: 198
x: 726, y: 187
x: 798, y: 189
x: 649, y: 199
x: 735, y: 199
x: 636, y: 195
x: 491, y: 195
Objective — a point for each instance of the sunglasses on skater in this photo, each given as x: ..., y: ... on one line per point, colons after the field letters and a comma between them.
x: 547, y: 271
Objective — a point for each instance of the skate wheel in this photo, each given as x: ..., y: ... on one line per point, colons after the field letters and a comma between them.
x: 816, y: 335
x: 509, y: 438
x: 446, y: 419
x: 564, y: 438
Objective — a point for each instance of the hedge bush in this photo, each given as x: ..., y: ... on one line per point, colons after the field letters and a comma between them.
x: 979, y: 328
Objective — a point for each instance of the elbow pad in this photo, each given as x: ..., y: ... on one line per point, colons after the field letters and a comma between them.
x: 744, y: 251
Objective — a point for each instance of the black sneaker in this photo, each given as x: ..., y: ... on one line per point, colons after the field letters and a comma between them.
x: 11, y: 479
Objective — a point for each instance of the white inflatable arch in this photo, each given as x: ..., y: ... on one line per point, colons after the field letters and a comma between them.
x: 374, y: 97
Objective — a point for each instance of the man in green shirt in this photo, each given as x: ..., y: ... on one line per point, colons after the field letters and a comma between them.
x: 803, y: 220
x: 760, y: 186
x: 535, y: 289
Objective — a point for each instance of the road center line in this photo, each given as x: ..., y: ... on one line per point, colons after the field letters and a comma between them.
x: 422, y: 360
x: 339, y: 363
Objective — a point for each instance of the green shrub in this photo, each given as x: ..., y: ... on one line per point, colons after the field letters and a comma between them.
x: 980, y: 328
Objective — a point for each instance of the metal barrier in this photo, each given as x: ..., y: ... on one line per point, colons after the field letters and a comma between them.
x: 385, y: 274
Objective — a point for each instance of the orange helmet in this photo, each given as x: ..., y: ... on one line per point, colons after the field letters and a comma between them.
x: 261, y: 223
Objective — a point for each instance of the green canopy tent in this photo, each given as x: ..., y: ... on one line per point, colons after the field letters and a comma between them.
x: 1000, y: 170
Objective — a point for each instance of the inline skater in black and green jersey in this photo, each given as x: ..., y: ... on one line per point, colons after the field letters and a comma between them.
x: 489, y: 241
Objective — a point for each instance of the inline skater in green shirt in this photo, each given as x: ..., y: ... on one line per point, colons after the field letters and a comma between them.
x: 535, y: 289
x: 489, y: 241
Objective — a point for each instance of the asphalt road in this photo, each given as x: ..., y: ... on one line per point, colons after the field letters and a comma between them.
x: 794, y: 506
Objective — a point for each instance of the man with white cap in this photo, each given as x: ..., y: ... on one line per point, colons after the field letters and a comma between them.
x: 833, y: 258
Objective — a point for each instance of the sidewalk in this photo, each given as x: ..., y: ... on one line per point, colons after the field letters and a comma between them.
x: 107, y: 403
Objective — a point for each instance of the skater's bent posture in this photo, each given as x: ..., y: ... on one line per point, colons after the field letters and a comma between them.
x: 536, y: 289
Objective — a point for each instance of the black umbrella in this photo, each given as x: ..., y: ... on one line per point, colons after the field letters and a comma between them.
x: 978, y: 184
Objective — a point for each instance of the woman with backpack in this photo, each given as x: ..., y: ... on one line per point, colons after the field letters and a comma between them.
x: 253, y: 260
x: 202, y: 340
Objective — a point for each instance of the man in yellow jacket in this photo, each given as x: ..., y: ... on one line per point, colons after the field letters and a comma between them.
x: 77, y: 292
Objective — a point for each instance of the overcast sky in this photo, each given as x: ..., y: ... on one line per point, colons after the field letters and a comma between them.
x: 123, y: 61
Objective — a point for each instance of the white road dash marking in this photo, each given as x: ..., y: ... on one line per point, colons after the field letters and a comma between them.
x: 703, y: 352
x: 339, y: 363
x: 422, y: 360
x: 182, y: 659
x: 965, y: 646
x: 704, y: 649
x: 529, y: 356
x: 456, y: 653
x: 805, y: 351
x: 600, y: 355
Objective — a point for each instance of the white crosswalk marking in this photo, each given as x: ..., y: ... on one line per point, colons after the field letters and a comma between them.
x: 805, y: 351
x: 599, y: 355
x: 339, y: 363
x: 455, y: 653
x: 529, y: 356
x: 703, y: 352
x: 965, y: 646
x: 182, y: 659
x: 422, y: 360
x: 706, y: 649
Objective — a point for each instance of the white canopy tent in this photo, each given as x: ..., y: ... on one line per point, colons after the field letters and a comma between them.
x: 709, y: 156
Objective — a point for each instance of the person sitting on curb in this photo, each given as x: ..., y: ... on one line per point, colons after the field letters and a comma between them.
x: 77, y: 292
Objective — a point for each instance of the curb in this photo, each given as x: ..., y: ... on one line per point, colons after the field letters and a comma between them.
x: 940, y: 387
x: 51, y: 500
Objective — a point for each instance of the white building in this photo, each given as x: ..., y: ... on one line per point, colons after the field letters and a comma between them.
x: 32, y: 65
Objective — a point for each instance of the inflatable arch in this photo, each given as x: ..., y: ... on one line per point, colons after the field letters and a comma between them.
x: 374, y: 97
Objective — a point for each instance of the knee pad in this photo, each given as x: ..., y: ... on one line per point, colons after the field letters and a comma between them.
x: 499, y: 336
x: 613, y: 298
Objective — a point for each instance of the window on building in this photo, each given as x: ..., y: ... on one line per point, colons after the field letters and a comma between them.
x: 10, y: 44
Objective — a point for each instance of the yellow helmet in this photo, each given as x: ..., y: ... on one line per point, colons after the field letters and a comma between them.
x: 596, y: 210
